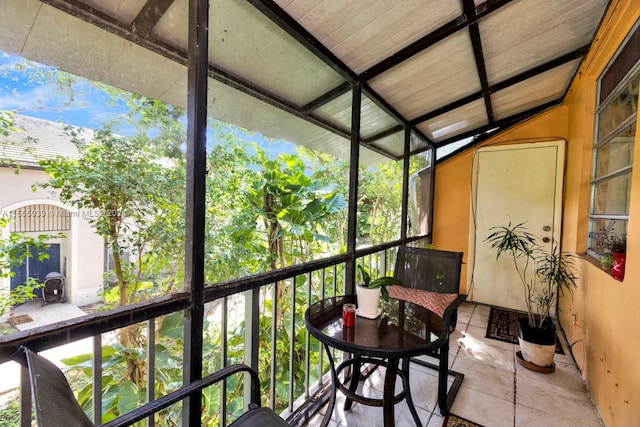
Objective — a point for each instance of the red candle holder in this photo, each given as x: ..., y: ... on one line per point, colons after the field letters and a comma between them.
x: 349, y: 315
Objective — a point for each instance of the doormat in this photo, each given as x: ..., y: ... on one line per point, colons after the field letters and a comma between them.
x: 503, y: 326
x: 20, y: 319
x: 456, y: 421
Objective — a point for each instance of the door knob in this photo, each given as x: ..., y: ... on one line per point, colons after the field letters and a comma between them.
x: 546, y: 228
x: 546, y: 239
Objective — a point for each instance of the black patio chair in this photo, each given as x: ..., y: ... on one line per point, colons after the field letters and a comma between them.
x: 53, y: 288
x: 56, y: 406
x: 435, y: 275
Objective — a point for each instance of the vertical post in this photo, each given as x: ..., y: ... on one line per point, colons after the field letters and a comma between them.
x: 151, y: 366
x: 97, y: 379
x: 25, y: 398
x: 251, y: 334
x: 432, y: 164
x: 405, y: 185
x: 195, y: 201
x: 354, y: 162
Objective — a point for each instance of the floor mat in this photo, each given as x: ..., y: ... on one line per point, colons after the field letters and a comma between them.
x: 456, y: 421
x: 503, y: 326
x: 20, y: 319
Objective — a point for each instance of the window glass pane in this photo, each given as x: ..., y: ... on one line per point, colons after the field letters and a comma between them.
x: 270, y: 203
x: 617, y: 153
x: 107, y: 168
x: 420, y: 182
x: 621, y: 107
x: 612, y: 195
x: 379, y: 203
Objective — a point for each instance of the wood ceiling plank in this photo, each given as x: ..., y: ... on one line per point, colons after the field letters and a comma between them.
x: 552, y: 29
x: 123, y: 10
x: 455, y: 122
x: 16, y: 20
x: 440, y: 75
x: 149, y: 16
x: 535, y: 91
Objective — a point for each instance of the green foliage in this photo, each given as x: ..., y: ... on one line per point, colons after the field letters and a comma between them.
x: 10, y: 411
x: 380, y: 282
x: 286, y: 208
x: 609, y: 241
x: 14, y: 250
x: 7, y: 125
x: 607, y: 261
x: 261, y: 212
x: 134, y: 195
x: 379, y: 203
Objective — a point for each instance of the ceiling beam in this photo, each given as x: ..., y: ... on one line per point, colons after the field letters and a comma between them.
x: 274, y: 100
x: 93, y: 16
x: 578, y: 53
x: 432, y: 38
x: 277, y: 15
x: 490, y: 131
x: 149, y: 16
x: 502, y: 124
x: 326, y: 97
x: 476, y: 43
x: 383, y: 134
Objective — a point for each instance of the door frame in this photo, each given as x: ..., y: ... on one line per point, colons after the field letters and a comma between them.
x: 473, y: 243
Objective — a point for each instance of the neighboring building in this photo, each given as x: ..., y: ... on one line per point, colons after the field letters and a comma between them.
x: 80, y: 257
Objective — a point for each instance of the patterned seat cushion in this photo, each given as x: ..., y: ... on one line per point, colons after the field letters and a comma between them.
x: 433, y: 301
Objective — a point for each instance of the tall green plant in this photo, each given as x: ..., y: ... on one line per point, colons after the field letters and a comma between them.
x: 553, y: 270
x: 132, y: 194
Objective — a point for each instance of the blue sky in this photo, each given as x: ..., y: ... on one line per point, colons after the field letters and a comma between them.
x: 24, y: 91
x: 29, y: 91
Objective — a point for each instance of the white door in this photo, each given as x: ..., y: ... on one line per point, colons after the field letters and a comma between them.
x: 518, y: 184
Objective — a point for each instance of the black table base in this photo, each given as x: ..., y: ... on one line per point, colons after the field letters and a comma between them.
x: 403, y: 332
x: 389, y: 397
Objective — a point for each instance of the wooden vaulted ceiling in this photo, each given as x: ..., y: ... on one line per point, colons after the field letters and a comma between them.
x: 454, y: 71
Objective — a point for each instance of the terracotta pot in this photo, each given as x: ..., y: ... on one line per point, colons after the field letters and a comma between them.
x: 617, y: 271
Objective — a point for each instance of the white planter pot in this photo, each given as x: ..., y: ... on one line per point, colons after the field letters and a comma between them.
x: 538, y: 354
x: 368, y: 301
x: 538, y: 345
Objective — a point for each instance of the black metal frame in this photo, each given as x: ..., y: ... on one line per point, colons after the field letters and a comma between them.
x: 46, y: 378
x: 389, y: 358
x: 139, y: 32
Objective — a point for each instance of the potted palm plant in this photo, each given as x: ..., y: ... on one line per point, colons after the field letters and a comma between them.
x: 369, y: 291
x: 543, y: 275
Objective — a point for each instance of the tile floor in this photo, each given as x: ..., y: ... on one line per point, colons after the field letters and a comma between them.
x: 496, y: 390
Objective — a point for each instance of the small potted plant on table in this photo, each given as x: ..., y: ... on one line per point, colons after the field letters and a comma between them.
x: 543, y: 275
x: 613, y: 248
x: 369, y: 291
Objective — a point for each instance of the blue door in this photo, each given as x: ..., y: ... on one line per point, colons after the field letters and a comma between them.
x: 36, y: 268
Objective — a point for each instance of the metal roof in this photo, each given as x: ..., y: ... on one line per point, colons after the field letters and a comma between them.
x: 38, y: 139
x: 449, y: 69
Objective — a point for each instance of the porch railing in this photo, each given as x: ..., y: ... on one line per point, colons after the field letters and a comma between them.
x: 236, y: 305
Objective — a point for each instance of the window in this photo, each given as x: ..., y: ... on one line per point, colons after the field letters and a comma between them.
x: 616, y: 118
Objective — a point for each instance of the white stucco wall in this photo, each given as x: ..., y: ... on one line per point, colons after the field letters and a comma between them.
x: 83, y: 249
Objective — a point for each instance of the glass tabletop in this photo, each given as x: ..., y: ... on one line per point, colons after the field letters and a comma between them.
x: 402, y: 330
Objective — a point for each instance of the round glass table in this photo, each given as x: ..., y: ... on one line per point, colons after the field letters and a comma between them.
x: 403, y: 330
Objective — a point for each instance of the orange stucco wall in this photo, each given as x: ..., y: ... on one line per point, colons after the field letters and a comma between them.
x: 602, y: 319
